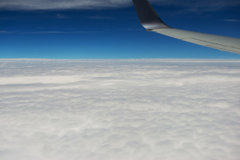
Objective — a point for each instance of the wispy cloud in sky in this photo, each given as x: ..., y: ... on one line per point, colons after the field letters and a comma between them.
x: 99, y: 17
x: 62, y: 4
x: 4, y: 32
x: 232, y: 20
x: 93, y: 4
x: 119, y: 109
x: 203, y: 5
x: 48, y: 32
x: 58, y: 32
x: 61, y: 16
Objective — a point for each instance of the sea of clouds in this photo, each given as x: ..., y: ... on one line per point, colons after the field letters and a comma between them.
x: 119, y: 109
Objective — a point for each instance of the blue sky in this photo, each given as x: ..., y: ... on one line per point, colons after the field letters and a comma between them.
x: 105, y: 29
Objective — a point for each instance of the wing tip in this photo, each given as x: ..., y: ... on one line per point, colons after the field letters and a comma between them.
x: 147, y: 15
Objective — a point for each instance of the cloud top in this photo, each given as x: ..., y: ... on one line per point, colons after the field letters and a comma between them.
x: 119, y: 109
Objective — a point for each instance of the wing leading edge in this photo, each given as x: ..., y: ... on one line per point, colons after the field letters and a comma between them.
x: 152, y: 22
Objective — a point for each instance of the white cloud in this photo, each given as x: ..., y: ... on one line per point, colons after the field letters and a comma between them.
x: 93, y: 4
x: 119, y: 109
x: 62, y: 4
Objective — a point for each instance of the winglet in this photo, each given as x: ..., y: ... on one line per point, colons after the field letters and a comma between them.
x: 147, y: 15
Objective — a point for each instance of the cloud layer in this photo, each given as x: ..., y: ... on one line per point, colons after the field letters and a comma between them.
x: 119, y: 109
x: 93, y: 4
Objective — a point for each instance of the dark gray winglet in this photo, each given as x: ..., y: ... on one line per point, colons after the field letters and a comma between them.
x: 147, y: 15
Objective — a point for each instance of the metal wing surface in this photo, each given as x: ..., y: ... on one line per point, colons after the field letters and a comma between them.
x: 152, y: 22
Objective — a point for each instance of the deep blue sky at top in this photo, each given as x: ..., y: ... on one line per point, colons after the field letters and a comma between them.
x: 112, y: 31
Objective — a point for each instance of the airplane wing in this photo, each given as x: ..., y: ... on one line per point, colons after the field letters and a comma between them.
x: 152, y: 22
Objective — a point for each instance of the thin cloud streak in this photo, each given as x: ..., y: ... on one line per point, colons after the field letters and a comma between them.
x: 232, y: 20
x: 61, y: 16
x: 58, y: 32
x: 4, y: 32
x: 99, y: 17
x: 204, y: 5
x: 47, y: 32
